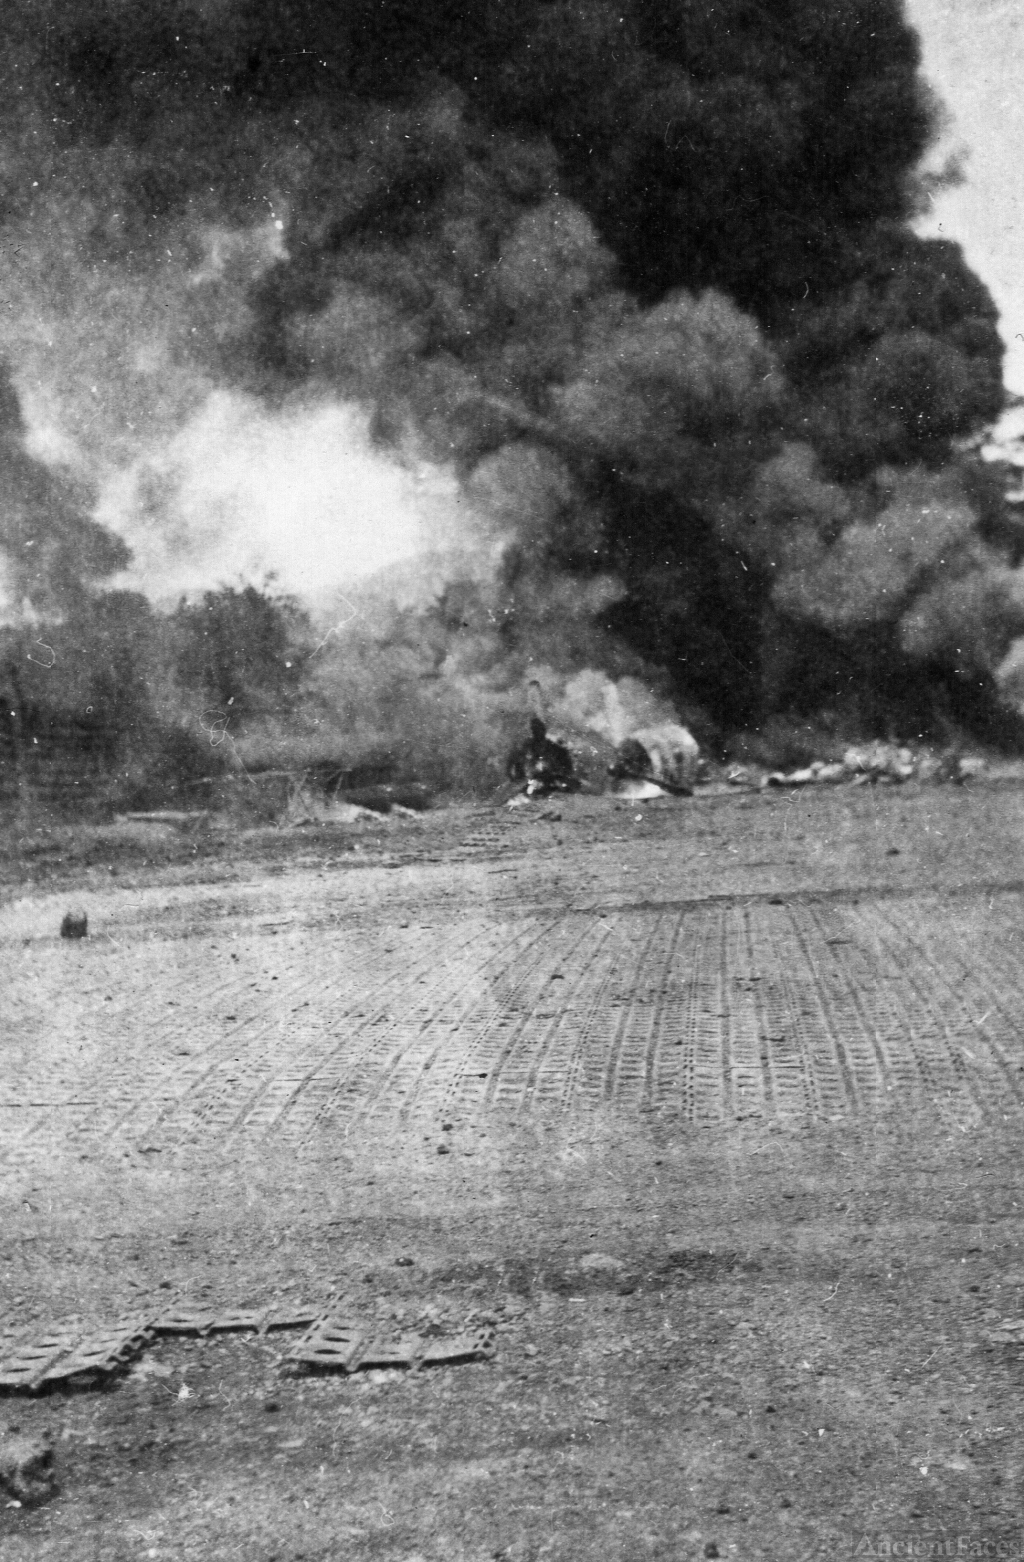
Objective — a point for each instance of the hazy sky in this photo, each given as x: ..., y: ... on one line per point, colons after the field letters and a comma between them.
x: 974, y: 56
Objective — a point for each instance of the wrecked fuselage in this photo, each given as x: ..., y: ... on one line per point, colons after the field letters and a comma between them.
x: 664, y: 758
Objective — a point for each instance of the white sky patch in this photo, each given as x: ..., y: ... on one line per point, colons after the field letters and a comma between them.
x: 974, y: 57
x: 242, y: 492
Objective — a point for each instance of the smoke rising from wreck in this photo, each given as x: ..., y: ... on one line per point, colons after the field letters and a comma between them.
x: 610, y: 315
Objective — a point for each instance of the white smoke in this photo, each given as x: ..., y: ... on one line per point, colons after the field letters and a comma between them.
x: 300, y: 496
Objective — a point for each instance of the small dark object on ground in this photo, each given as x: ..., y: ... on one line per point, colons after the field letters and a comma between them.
x: 74, y: 925
x: 26, y: 1468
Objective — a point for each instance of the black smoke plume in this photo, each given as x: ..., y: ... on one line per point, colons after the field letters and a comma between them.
x: 638, y: 278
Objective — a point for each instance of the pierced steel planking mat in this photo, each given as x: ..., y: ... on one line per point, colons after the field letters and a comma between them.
x: 332, y: 1343
x: 71, y: 1357
x: 100, y: 1355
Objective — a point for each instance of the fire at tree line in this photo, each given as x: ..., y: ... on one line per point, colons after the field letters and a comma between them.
x: 643, y: 276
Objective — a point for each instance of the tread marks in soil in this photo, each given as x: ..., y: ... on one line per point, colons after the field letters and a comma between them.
x: 741, y: 1063
x: 502, y: 1016
x: 710, y: 1024
x: 642, y: 999
x: 950, y: 1024
x: 925, y: 1067
x: 713, y: 1011
x: 979, y: 972
x: 237, y: 1083
x: 835, y: 1030
x: 220, y: 1087
x: 427, y: 1047
x: 294, y: 1100
x: 588, y: 1014
x: 158, y: 1081
x: 515, y: 1050
x: 805, y: 1055
x: 861, y: 1017
x: 661, y: 1067
x: 607, y: 1010
x: 574, y: 1002
x: 348, y: 1077
x: 685, y: 1071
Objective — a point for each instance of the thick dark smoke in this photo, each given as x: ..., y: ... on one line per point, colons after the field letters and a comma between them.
x: 638, y: 278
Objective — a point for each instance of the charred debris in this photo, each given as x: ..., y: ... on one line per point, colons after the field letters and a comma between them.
x: 634, y: 289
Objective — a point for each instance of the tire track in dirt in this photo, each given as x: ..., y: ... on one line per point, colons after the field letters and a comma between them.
x: 636, y: 1037
x: 685, y: 1073
x: 839, y: 1026
x: 805, y: 1053
x: 662, y: 1027
x: 298, y: 1087
x: 132, y: 1084
x: 939, y: 1074
x: 742, y: 1069
x: 955, y: 1027
x: 537, y: 1078
x: 393, y: 1072
x: 1000, y: 1024
x: 808, y: 1009
x: 596, y: 1043
x: 609, y: 1059
x: 979, y: 969
x: 474, y: 1079
x: 911, y: 1053
x: 862, y: 1019
x: 211, y: 1090
x: 508, y: 1077
x: 88, y: 1066
x: 587, y: 1035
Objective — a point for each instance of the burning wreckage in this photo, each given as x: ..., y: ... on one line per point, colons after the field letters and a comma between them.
x: 664, y: 760
x: 657, y: 761
x: 543, y: 763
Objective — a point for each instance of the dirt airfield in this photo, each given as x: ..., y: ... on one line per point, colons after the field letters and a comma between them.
x: 710, y: 1110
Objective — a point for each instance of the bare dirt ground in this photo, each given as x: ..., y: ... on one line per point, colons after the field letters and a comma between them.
x: 714, y: 1107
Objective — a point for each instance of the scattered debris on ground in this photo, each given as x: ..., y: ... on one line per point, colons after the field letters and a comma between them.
x: 69, y: 1358
x: 877, y: 762
x: 666, y: 762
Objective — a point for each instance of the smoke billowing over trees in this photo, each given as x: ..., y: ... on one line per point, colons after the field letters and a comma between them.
x: 640, y: 276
